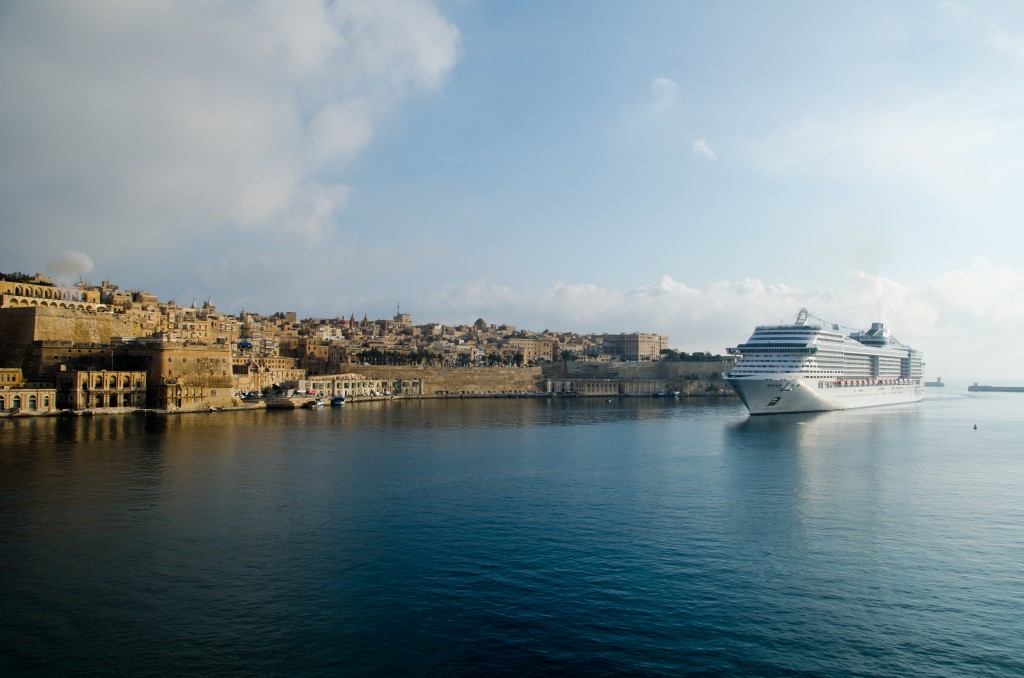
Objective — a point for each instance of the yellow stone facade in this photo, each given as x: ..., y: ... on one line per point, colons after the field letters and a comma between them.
x: 100, y: 390
x: 15, y: 295
x: 17, y: 397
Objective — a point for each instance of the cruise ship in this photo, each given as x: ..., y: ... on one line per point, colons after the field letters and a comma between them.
x: 816, y: 366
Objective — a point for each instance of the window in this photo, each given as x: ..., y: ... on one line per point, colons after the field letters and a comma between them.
x: 31, y: 402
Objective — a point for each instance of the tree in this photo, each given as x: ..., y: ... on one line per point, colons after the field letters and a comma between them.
x: 19, y: 277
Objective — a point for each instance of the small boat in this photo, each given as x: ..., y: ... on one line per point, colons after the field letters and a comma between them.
x: 313, y: 404
x: 337, y: 401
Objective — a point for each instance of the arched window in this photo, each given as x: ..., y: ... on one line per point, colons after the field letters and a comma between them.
x: 46, y: 402
x: 99, y: 382
x: 3, y: 403
x: 126, y: 382
x: 113, y: 382
x: 31, y: 402
x: 16, y: 403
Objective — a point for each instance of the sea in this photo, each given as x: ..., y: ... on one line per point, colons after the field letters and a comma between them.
x: 510, y: 537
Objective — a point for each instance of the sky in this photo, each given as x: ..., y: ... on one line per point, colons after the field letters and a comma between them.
x: 681, y: 168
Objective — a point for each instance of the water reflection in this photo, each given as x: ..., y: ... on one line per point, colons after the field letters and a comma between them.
x: 405, y: 536
x: 517, y: 412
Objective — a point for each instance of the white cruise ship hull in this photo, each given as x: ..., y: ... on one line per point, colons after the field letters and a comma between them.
x: 780, y: 394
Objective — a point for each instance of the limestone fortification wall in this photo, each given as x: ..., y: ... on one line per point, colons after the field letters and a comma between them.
x: 638, y: 378
x: 460, y: 380
x: 664, y: 370
x: 19, y: 327
x: 82, y: 327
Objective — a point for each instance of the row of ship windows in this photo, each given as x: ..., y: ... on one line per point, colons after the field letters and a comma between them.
x: 834, y: 355
x: 769, y: 364
x: 849, y: 365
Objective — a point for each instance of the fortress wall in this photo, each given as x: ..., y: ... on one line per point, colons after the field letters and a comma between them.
x: 665, y: 370
x: 455, y: 380
x: 82, y: 327
x: 19, y: 327
x: 458, y: 380
x: 17, y: 330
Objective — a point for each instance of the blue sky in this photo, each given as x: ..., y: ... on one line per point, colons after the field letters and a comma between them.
x: 689, y: 169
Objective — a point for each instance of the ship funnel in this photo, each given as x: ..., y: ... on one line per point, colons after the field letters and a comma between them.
x: 876, y: 336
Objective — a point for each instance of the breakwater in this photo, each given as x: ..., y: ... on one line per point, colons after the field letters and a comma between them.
x: 998, y: 389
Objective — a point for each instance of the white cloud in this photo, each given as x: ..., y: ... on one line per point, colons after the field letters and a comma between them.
x: 984, y: 292
x: 961, y: 152
x: 702, y: 147
x: 960, y: 319
x: 71, y: 264
x: 953, y: 9
x: 155, y: 123
x: 1011, y: 45
x: 664, y: 95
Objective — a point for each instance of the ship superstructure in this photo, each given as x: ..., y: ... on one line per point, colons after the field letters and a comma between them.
x: 815, y: 366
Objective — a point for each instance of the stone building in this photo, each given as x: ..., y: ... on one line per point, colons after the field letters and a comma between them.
x: 19, y: 397
x: 10, y: 377
x: 100, y: 389
x: 177, y: 376
x: 635, y: 346
x: 186, y: 376
x: 15, y: 295
x: 532, y: 349
x: 254, y: 373
x: 356, y: 385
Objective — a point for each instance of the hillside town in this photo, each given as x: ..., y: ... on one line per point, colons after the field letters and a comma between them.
x: 89, y: 348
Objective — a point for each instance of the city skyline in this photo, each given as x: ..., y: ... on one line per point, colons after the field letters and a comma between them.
x: 589, y: 167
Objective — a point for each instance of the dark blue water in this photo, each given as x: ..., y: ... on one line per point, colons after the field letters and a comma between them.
x: 642, y: 537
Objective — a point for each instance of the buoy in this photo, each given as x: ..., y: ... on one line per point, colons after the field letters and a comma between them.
x: 975, y: 427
